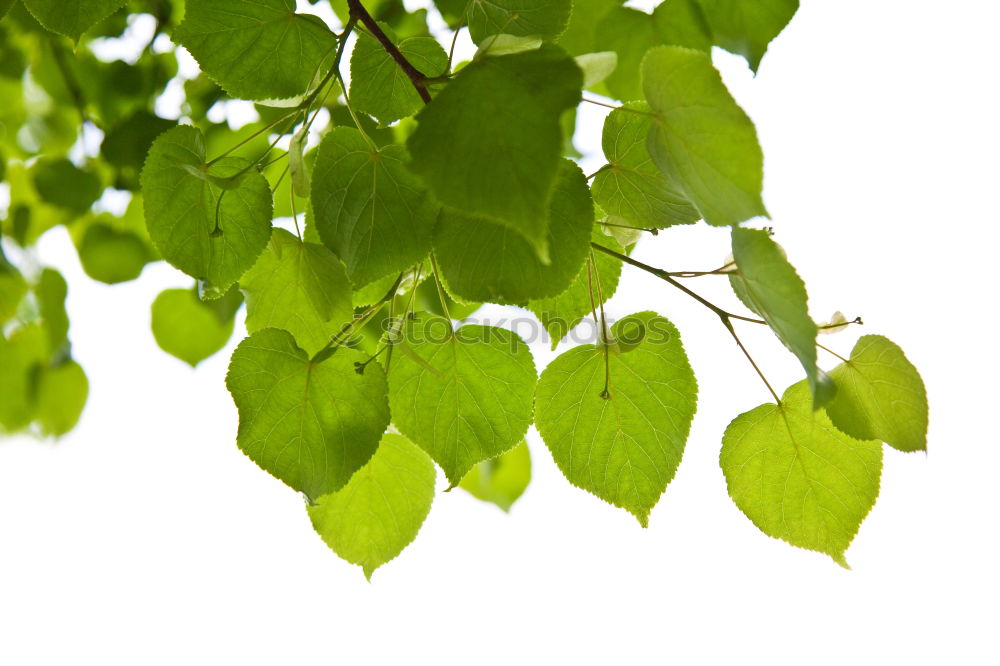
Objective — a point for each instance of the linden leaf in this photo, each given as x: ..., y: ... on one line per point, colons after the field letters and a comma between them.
x: 616, y: 423
x: 190, y: 329
x: 799, y: 478
x: 378, y: 513
x: 71, y: 17
x: 210, y: 233
x: 746, y: 28
x: 880, y: 395
x: 463, y: 395
x: 544, y: 18
x: 299, y: 287
x: 701, y: 139
x: 311, y: 423
x: 259, y: 50
x: 501, y: 480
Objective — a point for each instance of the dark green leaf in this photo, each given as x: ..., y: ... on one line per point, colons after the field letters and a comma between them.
x: 71, y: 17
x: 746, y: 28
x: 61, y: 183
x: 541, y: 18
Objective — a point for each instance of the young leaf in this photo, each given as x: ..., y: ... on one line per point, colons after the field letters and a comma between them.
x: 616, y: 423
x: 746, y: 28
x: 461, y: 395
x: 484, y: 261
x: 561, y: 313
x: 544, y: 18
x: 701, y: 139
x: 880, y: 395
x: 310, y: 422
x: 632, y: 187
x: 71, y: 17
x: 186, y: 327
x: 771, y: 288
x: 797, y: 477
x: 383, y: 90
x: 209, y: 221
x: 62, y: 394
x: 368, y: 208
x: 299, y: 287
x: 258, y: 50
x: 489, y: 144
x: 501, y: 480
x: 379, y: 512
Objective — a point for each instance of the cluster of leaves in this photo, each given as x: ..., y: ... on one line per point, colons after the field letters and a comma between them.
x: 434, y: 187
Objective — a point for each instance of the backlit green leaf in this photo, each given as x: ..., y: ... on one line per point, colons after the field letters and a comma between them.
x: 20, y: 355
x: 110, y: 255
x: 501, y: 480
x: 701, y: 139
x: 462, y: 395
x: 797, y: 477
x: 380, y: 510
x: 490, y: 143
x: 188, y: 328
x: 62, y: 394
x: 620, y: 439
x: 311, y: 423
x: 299, y: 287
x: 544, y: 18
x: 774, y: 290
x: 71, y: 17
x: 747, y: 27
x: 210, y: 233
x: 369, y: 209
x: 61, y: 183
x: 880, y: 395
x: 485, y: 261
x: 632, y: 187
x: 257, y: 50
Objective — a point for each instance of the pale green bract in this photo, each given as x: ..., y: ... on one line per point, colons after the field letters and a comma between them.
x: 379, y: 87
x: 380, y: 510
x: 474, y: 269
x: 310, y: 422
x: 259, y: 50
x: 746, y: 28
x: 186, y: 327
x: 769, y: 285
x: 501, y: 480
x: 499, y: 119
x: 542, y: 18
x: 631, y: 186
x: 621, y: 440
x: 701, y: 139
x: 210, y: 232
x: 462, y: 395
x: 798, y: 477
x: 368, y: 208
x: 299, y: 287
x: 880, y: 395
x: 71, y: 17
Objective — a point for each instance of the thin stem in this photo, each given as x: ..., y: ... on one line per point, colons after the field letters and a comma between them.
x: 666, y: 277
x: 440, y: 290
x: 347, y: 329
x: 606, y: 339
x: 295, y: 215
x: 828, y: 350
x: 618, y: 108
x: 729, y: 327
x: 626, y: 226
x: 417, y: 78
x: 250, y: 138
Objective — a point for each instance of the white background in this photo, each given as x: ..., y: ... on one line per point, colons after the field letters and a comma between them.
x: 146, y: 537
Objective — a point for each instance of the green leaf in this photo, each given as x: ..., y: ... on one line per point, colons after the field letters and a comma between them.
x: 587, y: 16
x: 379, y: 87
x: 5, y: 6
x: 560, y: 314
x: 484, y: 261
x: 126, y: 144
x: 503, y: 44
x: 797, y: 477
x: 544, y: 18
x: 50, y: 292
x: 310, y: 423
x: 299, y: 287
x: 461, y: 395
x: 298, y: 168
x: 71, y: 17
x: 186, y: 327
x: 380, y: 510
x: 62, y: 394
x: 596, y: 66
x: 702, y: 140
x: 631, y: 186
x: 368, y: 208
x: 501, y: 480
x: 112, y: 256
x: 258, y: 50
x: 880, y: 395
x: 772, y: 289
x: 61, y: 183
x: 13, y: 287
x: 20, y: 355
x: 210, y: 233
x: 621, y: 440
x: 746, y: 28
x: 489, y: 143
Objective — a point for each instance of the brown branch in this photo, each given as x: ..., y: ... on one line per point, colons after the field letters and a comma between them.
x: 417, y: 78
